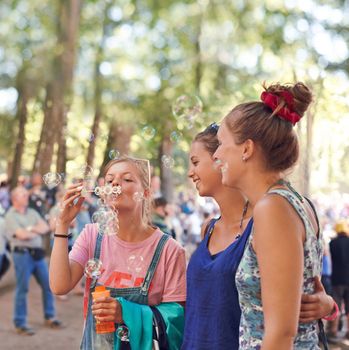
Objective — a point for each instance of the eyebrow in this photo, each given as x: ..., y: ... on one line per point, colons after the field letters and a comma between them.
x: 125, y: 173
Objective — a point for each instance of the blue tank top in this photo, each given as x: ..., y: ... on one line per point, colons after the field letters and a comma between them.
x: 212, y: 315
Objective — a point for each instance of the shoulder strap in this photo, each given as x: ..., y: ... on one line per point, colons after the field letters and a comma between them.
x: 154, y: 263
x: 315, y: 214
x: 209, y: 227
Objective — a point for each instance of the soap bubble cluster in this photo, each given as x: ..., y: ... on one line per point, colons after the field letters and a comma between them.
x: 52, y: 179
x: 93, y: 268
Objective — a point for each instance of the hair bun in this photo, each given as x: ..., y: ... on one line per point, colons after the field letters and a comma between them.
x: 296, y: 97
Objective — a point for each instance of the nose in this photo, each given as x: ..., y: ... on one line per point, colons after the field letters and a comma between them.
x: 116, y: 182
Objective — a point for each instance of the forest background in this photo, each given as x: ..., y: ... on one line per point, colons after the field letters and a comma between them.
x: 84, y: 81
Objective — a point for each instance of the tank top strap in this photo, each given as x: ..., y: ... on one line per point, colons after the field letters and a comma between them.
x: 154, y: 262
x: 296, y: 203
x: 209, y: 228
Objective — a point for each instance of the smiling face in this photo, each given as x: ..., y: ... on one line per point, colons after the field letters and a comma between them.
x: 230, y: 156
x: 203, y: 170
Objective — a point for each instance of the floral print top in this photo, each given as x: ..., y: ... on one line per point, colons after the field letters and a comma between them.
x: 249, y: 286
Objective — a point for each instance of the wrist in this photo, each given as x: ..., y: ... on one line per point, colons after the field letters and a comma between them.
x: 62, y: 227
x: 333, y: 314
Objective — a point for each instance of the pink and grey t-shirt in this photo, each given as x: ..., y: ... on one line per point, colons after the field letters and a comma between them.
x: 125, y: 264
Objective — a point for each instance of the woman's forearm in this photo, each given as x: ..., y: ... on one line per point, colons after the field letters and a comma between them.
x: 278, y: 341
x: 60, y: 272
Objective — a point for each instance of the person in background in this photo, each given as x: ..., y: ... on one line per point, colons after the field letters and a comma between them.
x: 160, y: 215
x: 4, y: 254
x: 37, y: 195
x: 339, y: 248
x: 4, y: 195
x: 24, y: 229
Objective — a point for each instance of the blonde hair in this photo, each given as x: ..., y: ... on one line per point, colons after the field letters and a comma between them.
x: 143, y: 167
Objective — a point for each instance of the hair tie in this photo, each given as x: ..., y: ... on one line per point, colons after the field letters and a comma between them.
x: 272, y: 101
x: 213, y: 127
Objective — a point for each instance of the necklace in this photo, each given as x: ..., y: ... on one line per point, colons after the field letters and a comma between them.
x: 244, y: 211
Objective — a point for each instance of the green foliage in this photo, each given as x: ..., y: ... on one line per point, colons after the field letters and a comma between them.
x: 148, y: 53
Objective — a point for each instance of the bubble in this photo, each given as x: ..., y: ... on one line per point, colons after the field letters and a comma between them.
x: 88, y: 184
x: 138, y: 196
x: 116, y: 190
x: 93, y: 268
x: 123, y: 333
x: 187, y: 107
x: 108, y: 190
x: 167, y: 161
x: 175, y: 136
x: 85, y: 171
x: 98, y: 191
x: 148, y: 132
x: 114, y: 154
x: 135, y: 263
x: 112, y: 227
x: 107, y: 220
x: 52, y: 179
x: 100, y: 202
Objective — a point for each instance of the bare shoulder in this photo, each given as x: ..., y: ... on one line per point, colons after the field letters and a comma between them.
x: 273, y: 206
x: 273, y: 214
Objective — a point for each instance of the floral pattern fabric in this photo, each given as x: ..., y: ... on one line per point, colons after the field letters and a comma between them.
x: 249, y: 286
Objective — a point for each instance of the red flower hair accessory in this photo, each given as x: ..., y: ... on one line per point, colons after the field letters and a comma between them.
x: 272, y: 101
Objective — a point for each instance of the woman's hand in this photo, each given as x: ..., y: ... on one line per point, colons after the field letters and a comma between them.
x: 69, y: 206
x: 107, y: 309
x: 317, y: 305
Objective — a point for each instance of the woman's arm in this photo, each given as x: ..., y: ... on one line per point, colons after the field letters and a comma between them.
x: 65, y: 274
x: 278, y: 242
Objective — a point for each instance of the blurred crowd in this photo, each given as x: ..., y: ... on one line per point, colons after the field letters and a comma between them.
x: 183, y: 219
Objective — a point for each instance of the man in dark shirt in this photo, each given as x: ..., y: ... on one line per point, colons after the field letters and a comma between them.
x: 339, y: 248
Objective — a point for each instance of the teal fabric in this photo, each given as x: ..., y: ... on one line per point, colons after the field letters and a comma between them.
x: 138, y: 319
x: 173, y: 315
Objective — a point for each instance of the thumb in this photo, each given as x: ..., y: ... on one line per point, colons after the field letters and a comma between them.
x: 318, y: 285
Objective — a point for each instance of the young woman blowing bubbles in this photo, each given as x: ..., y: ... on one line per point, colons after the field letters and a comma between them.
x: 159, y: 278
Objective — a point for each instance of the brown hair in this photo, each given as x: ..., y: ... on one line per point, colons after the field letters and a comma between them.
x: 209, y: 138
x: 275, y: 136
x: 143, y: 167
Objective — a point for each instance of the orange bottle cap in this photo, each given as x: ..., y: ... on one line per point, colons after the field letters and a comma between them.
x: 100, y: 288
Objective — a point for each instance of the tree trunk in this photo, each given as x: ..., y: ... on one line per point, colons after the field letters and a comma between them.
x: 22, y: 113
x: 118, y: 139
x: 98, y: 89
x: 62, y: 147
x: 98, y: 110
x: 58, y: 94
x: 44, y: 129
x: 166, y: 173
